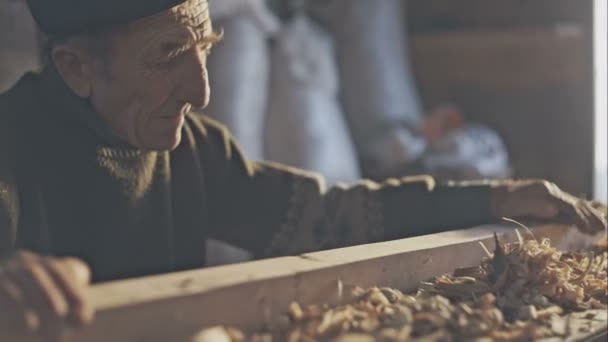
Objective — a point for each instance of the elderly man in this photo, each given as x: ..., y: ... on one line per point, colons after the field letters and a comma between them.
x: 101, y: 160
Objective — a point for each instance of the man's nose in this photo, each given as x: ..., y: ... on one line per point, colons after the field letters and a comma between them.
x: 194, y: 80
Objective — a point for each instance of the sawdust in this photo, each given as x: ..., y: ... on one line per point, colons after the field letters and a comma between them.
x: 521, y: 292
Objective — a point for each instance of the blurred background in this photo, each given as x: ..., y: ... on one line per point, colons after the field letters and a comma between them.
x: 461, y: 90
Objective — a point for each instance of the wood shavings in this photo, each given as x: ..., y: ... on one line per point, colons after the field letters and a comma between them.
x: 521, y: 292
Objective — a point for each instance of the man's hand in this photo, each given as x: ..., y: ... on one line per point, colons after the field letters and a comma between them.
x: 544, y: 200
x: 43, y: 296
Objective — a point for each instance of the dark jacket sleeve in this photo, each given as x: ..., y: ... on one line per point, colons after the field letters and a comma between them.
x: 273, y: 210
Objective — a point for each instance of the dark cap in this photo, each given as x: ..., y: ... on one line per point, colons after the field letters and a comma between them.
x: 62, y: 18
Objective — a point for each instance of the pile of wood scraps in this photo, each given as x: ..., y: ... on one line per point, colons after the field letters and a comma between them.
x: 350, y: 294
x: 524, y: 291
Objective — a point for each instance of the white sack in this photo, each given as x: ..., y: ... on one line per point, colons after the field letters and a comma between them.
x: 239, y: 72
x: 378, y: 92
x: 239, y: 69
x: 472, y: 152
x: 256, y: 9
x: 305, y: 126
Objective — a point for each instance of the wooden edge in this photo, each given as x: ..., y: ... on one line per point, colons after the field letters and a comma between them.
x: 136, y: 291
x: 254, y: 296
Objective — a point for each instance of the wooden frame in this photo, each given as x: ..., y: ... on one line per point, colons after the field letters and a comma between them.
x: 255, y: 295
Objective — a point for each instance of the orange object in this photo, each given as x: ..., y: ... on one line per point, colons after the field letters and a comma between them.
x: 602, y: 245
x: 441, y: 121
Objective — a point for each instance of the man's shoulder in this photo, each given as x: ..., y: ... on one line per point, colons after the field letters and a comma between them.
x: 13, y: 104
x: 16, y: 99
x: 8, y: 122
x: 7, y: 110
x: 18, y: 112
x: 206, y: 129
x: 213, y: 144
x: 8, y: 134
x: 203, y: 124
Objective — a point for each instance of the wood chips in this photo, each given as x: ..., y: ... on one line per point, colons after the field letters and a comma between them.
x: 521, y: 292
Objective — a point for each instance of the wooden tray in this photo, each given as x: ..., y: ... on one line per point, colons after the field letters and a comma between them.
x: 255, y: 295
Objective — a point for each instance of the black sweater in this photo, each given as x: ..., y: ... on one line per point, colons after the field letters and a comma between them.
x: 68, y: 186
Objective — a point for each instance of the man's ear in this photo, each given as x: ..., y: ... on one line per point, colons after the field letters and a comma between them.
x: 76, y: 67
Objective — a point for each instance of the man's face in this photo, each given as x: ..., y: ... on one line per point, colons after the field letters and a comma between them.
x: 154, y: 74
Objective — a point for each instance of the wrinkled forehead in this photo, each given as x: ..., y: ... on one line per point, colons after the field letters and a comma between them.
x: 191, y: 17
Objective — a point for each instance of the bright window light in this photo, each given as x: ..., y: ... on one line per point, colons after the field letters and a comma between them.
x: 601, y: 100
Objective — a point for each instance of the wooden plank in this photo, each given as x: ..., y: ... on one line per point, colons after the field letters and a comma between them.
x: 255, y: 295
